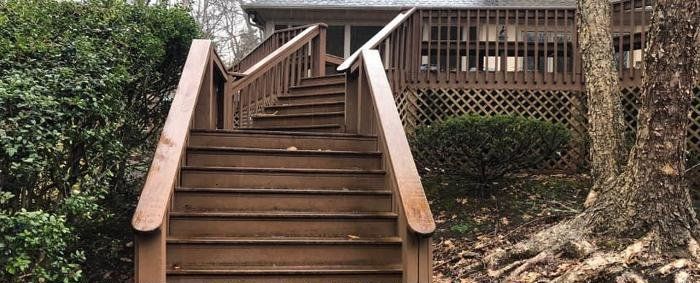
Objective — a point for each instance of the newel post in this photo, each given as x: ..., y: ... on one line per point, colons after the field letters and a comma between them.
x: 150, y: 266
x: 318, y: 53
x: 205, y: 110
x: 351, y: 101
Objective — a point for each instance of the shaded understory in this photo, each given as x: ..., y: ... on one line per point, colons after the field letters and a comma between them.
x: 472, y: 221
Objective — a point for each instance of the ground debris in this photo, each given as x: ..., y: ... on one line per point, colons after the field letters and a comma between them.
x: 472, y: 225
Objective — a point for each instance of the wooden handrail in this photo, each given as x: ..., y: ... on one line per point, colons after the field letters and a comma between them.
x: 330, y: 58
x: 268, y: 45
x: 162, y: 175
x: 400, y: 166
x: 273, y: 75
x: 277, y: 56
x: 377, y: 38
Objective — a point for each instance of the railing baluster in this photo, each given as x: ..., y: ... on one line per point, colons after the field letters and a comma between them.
x: 487, y: 41
x: 468, y: 44
x: 620, y: 54
x: 517, y: 45
x: 458, y: 38
x: 633, y: 29
x: 644, y: 30
x: 555, y: 64
x: 438, y: 49
x: 448, y: 27
x: 565, y: 73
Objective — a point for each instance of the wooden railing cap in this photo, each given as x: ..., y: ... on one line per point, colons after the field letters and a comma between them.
x: 414, y: 203
x: 162, y: 174
x: 276, y: 56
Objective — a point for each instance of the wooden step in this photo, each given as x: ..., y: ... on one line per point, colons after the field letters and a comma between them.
x: 282, y: 158
x: 290, y: 274
x: 260, y: 200
x: 301, y: 108
x: 326, y: 128
x: 283, y: 140
x: 331, y: 79
x: 282, y: 224
x: 241, y: 177
x: 270, y: 120
x: 318, y: 88
x: 319, y: 97
x: 189, y: 253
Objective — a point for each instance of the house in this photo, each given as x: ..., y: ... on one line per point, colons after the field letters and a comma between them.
x: 352, y: 23
x: 478, y: 56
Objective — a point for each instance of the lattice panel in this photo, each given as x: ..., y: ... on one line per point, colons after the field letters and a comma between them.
x: 419, y: 107
x: 630, y: 101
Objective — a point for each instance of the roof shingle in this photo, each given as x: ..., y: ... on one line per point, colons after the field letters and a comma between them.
x: 407, y: 3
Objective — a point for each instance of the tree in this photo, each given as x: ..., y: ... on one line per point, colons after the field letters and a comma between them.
x: 225, y: 22
x: 646, y: 209
x: 605, y: 117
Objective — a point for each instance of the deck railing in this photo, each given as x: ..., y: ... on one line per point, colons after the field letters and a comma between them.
x: 271, y: 76
x: 197, y: 104
x: 269, y: 45
x: 501, y: 48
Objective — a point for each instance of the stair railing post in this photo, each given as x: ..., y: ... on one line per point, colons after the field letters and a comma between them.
x: 318, y: 53
x: 351, y: 107
x: 150, y: 256
x: 206, y: 102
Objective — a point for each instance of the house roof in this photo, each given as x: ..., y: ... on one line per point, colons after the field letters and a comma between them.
x: 398, y: 4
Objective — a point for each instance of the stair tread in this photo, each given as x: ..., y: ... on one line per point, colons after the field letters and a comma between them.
x: 320, y: 93
x: 282, y: 214
x: 285, y: 191
x: 285, y: 170
x: 284, y: 240
x: 316, y: 126
x: 291, y: 105
x: 313, y: 269
x: 285, y: 151
x: 278, y: 116
x: 283, y: 133
x: 306, y: 86
x: 324, y: 76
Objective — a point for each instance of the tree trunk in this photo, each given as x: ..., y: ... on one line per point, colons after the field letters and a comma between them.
x: 605, y: 118
x: 651, y: 196
x: 648, y: 205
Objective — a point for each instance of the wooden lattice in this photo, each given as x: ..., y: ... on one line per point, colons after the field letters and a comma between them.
x: 418, y: 107
x: 630, y: 100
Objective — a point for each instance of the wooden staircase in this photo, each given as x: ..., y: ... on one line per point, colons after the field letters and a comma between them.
x: 305, y: 189
x: 316, y: 105
x: 291, y: 205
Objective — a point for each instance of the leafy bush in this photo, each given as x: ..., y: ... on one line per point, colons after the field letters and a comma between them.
x: 487, y: 148
x: 34, y: 248
x: 84, y: 89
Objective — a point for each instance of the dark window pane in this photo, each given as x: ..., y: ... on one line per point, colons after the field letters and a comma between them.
x: 335, y: 40
x: 360, y: 35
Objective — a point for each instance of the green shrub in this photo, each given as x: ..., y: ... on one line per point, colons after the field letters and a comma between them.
x: 487, y: 148
x: 84, y: 90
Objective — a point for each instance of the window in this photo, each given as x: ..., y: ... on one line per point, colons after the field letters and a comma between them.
x: 335, y: 40
x: 360, y: 35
